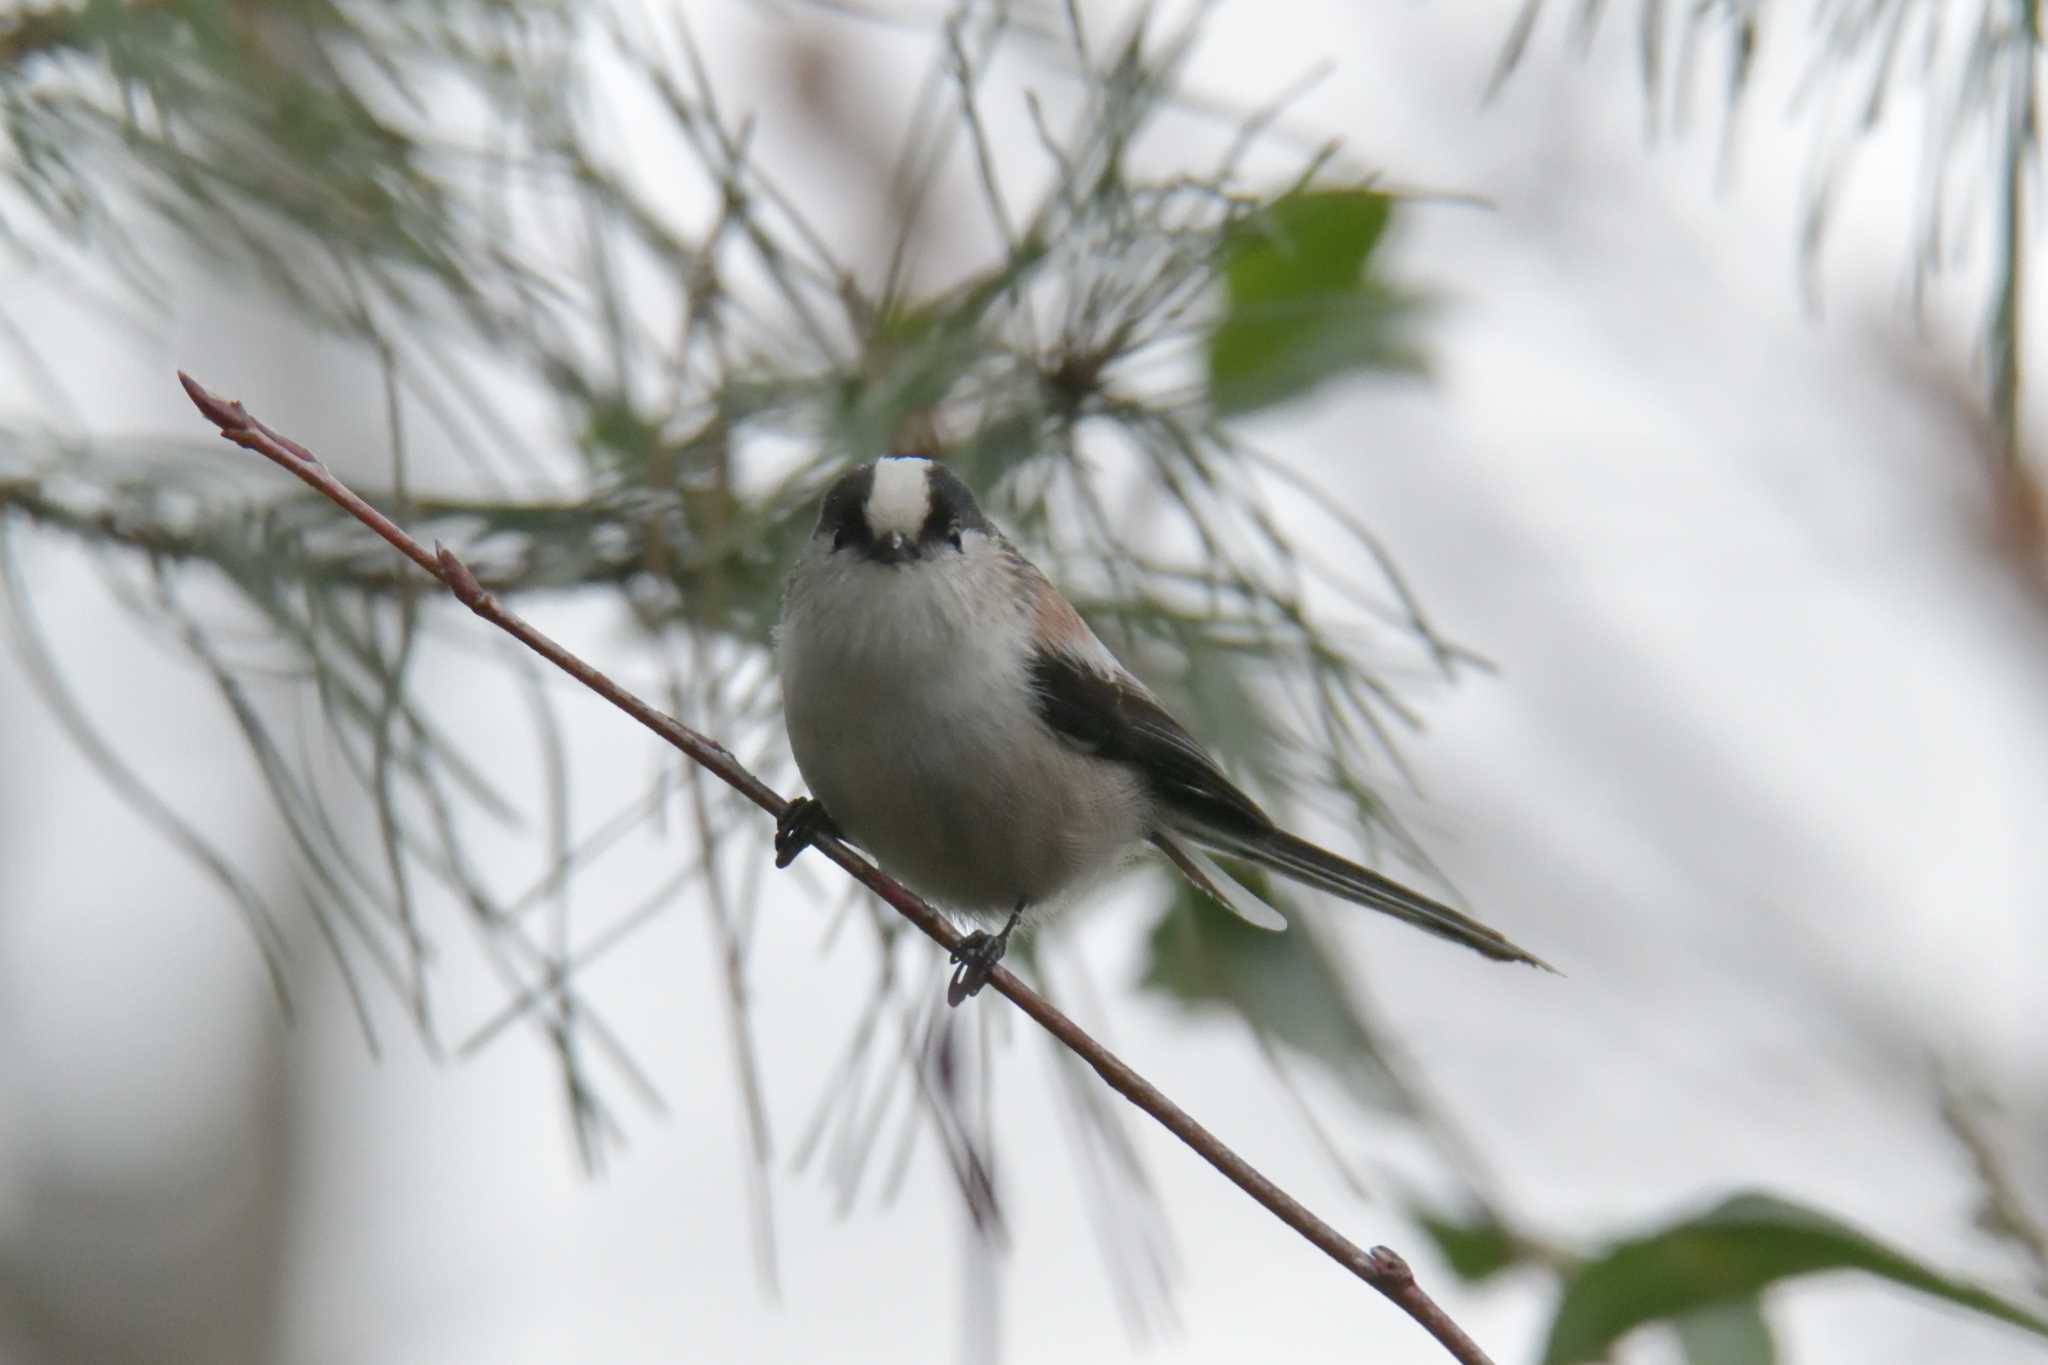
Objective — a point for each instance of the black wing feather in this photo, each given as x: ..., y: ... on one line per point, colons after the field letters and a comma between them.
x: 1116, y: 719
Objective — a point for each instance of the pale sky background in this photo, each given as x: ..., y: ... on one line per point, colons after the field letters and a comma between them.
x: 1763, y: 769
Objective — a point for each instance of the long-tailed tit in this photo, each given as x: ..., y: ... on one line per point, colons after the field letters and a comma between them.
x: 956, y: 718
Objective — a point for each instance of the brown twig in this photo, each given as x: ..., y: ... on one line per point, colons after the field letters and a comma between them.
x: 1380, y: 1267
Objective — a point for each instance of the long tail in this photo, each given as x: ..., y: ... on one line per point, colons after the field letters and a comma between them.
x: 1324, y: 870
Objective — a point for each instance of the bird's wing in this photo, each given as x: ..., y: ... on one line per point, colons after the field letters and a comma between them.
x: 1110, y: 714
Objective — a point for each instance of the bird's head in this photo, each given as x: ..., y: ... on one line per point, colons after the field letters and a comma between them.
x: 899, y: 510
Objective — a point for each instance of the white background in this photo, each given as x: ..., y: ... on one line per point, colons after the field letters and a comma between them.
x: 1762, y: 769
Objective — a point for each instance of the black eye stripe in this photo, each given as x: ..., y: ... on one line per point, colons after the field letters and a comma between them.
x: 953, y: 510
x: 843, y: 513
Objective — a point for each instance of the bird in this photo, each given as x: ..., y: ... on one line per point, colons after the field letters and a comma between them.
x: 954, y: 717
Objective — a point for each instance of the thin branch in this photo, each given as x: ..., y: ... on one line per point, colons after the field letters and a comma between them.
x: 1380, y: 1267
x: 2006, y: 313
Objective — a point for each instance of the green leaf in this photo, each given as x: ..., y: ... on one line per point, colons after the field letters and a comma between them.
x: 1283, y: 985
x: 1729, y: 1333
x: 1733, y: 1252
x: 1474, y: 1251
x: 1300, y: 306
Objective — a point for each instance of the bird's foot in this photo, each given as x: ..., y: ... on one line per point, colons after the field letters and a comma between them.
x: 801, y: 821
x: 977, y: 956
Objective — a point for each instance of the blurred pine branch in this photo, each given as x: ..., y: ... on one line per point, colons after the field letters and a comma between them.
x: 443, y: 185
x: 1968, y: 72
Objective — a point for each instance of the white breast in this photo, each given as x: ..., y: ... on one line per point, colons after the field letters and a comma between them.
x: 910, y: 716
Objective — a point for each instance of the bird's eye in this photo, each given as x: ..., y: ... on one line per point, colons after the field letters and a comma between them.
x: 953, y: 534
x: 839, y: 539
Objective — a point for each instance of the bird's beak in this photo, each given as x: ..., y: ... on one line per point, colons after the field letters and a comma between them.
x: 894, y: 548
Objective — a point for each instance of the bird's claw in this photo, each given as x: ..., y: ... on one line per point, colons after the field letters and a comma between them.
x: 977, y: 956
x: 800, y: 823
